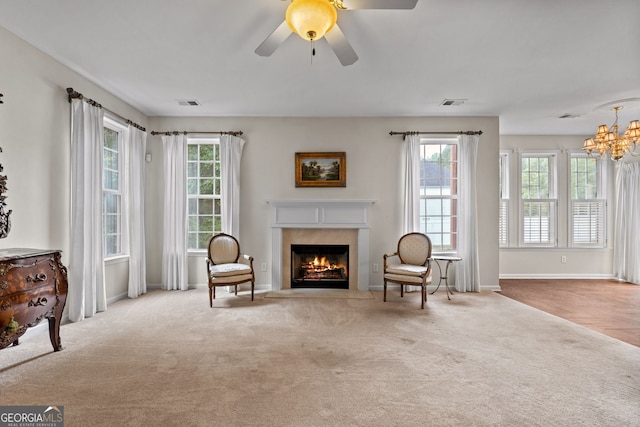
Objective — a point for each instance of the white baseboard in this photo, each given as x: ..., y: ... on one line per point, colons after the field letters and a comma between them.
x: 117, y: 298
x: 431, y: 288
x: 557, y: 276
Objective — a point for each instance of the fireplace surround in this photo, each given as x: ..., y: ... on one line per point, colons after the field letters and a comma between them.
x: 330, y: 222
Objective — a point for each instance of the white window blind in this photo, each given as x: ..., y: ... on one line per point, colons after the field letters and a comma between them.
x: 588, y: 218
x: 539, y: 222
x: 503, y: 223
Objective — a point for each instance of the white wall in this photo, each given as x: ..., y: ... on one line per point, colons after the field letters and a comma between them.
x: 34, y: 133
x: 373, y: 172
x: 35, y: 138
x: 546, y: 262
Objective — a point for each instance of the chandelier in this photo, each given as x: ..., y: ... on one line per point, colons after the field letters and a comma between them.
x: 311, y: 19
x: 611, y: 140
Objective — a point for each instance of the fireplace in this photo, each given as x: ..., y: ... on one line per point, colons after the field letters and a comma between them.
x: 320, y: 222
x: 320, y: 266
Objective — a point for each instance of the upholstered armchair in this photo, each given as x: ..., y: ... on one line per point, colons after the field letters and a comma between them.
x: 226, y: 266
x: 412, y: 264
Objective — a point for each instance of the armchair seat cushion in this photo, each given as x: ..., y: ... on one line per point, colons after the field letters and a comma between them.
x: 231, y: 269
x: 406, y: 269
x: 399, y: 278
x: 230, y: 280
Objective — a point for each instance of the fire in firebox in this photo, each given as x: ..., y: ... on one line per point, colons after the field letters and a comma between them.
x: 325, y: 266
x: 320, y: 268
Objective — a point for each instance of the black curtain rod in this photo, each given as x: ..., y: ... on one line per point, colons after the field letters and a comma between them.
x: 461, y: 132
x: 73, y: 94
x: 219, y: 132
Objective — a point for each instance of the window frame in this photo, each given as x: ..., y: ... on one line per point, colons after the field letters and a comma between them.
x: 120, y: 129
x: 200, y: 141
x: 438, y: 243
x: 505, y: 201
x: 599, y: 202
x: 551, y: 200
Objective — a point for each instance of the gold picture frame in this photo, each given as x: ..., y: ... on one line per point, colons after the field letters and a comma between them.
x: 321, y: 169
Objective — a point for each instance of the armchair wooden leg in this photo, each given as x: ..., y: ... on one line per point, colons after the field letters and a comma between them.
x: 401, y: 291
x: 236, y: 290
x: 252, y: 286
x: 210, y: 297
x: 384, y: 298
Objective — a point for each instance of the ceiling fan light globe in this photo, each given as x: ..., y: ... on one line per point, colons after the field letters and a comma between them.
x: 311, y: 19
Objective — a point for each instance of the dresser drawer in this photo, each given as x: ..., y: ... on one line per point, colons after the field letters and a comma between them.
x: 23, y: 274
x: 28, y: 307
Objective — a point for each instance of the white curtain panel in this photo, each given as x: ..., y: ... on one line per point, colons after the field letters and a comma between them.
x: 230, y: 156
x: 411, y: 196
x: 467, y: 270
x: 174, y: 247
x: 135, y: 148
x: 87, y: 293
x: 626, y: 247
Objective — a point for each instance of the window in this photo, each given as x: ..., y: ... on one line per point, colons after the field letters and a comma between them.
x: 503, y: 210
x: 587, y: 206
x: 530, y: 200
x: 112, y: 189
x: 439, y: 192
x: 203, y: 191
x: 538, y: 203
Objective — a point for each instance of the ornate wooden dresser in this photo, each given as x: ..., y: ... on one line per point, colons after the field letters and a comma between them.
x: 33, y: 286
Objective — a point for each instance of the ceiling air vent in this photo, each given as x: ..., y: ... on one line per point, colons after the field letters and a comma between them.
x: 188, y: 103
x: 569, y: 116
x: 448, y: 102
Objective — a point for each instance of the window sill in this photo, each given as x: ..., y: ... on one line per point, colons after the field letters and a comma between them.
x: 116, y: 259
x: 553, y: 248
x: 197, y: 253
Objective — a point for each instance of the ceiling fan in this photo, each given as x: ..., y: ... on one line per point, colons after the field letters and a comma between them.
x: 314, y: 19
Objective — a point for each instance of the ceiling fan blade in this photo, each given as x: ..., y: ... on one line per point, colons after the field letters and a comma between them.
x: 379, y: 4
x: 275, y: 39
x: 341, y: 47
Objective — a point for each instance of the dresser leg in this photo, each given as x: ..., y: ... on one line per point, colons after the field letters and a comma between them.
x: 54, y: 333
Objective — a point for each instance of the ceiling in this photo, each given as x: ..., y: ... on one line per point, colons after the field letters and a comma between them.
x: 527, y: 61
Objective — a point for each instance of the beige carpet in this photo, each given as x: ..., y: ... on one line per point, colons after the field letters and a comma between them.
x: 319, y: 293
x: 167, y: 359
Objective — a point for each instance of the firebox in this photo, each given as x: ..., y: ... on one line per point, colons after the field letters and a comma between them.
x: 320, y: 266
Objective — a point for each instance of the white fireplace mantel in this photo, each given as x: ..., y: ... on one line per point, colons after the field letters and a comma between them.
x: 320, y: 213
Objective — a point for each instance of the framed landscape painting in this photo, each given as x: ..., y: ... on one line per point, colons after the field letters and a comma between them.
x: 321, y: 169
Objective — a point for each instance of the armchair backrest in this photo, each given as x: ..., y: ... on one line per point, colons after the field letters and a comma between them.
x: 223, y: 249
x: 414, y: 248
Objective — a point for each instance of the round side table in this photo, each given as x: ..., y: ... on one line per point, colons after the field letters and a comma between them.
x: 450, y: 259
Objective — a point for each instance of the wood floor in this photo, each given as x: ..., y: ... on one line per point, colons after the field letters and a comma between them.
x: 607, y: 306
